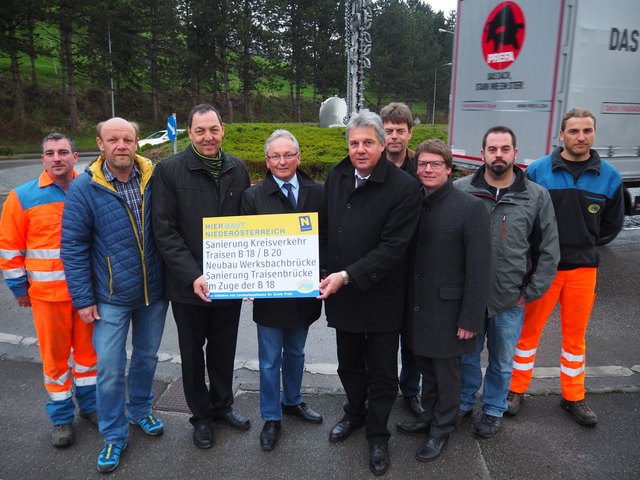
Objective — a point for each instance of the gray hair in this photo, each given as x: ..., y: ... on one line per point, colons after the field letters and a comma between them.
x: 365, y: 118
x: 280, y: 133
x: 59, y: 136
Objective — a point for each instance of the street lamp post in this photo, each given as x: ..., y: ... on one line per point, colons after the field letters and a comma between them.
x: 435, y: 86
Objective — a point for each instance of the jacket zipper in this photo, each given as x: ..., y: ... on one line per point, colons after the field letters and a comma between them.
x: 504, y: 225
x: 110, y: 277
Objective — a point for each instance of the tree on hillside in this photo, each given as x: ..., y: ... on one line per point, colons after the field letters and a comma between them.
x: 158, y: 34
x: 17, y: 31
x: 328, y: 48
x: 250, y: 36
x: 198, y: 61
x: 406, y: 51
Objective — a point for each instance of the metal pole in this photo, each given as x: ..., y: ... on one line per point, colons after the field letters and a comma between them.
x: 435, y: 84
x: 175, y: 142
x: 113, y: 103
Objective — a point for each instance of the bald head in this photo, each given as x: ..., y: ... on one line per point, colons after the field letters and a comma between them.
x: 118, y: 140
x: 116, y: 121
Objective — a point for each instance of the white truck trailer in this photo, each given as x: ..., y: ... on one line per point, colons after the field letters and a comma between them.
x: 524, y: 63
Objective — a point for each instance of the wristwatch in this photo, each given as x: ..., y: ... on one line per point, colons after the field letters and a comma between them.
x: 345, y: 277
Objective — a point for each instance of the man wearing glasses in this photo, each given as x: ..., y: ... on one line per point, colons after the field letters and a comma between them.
x: 524, y: 257
x: 201, y: 181
x: 447, y: 293
x: 283, y: 324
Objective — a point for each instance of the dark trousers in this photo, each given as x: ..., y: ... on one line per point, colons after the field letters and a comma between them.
x: 409, y: 375
x: 368, y: 370
x: 440, y: 393
x: 217, y: 326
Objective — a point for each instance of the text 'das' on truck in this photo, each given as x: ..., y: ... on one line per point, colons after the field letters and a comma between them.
x: 524, y: 63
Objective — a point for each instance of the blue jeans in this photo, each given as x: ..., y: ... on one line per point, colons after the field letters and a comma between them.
x: 109, y: 340
x: 280, y: 348
x: 502, y: 332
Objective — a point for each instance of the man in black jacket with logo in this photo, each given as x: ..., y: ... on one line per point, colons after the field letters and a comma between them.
x: 201, y: 181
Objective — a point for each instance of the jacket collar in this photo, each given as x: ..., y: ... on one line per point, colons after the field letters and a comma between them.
x: 378, y: 174
x: 97, y: 175
x: 518, y: 185
x: 439, y: 194
x: 271, y: 186
x: 195, y: 163
x: 45, y: 179
x: 593, y: 163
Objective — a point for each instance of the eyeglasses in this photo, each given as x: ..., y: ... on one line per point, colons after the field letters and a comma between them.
x: 435, y: 165
x: 285, y: 156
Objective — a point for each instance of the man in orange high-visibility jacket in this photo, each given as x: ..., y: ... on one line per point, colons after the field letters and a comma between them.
x: 30, y: 229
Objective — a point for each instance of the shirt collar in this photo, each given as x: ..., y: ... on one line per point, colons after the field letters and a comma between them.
x: 294, y: 182
x: 109, y: 176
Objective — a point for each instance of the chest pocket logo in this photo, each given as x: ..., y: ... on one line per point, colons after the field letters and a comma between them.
x: 593, y: 208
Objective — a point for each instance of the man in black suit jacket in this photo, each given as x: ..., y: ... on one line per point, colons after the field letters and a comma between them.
x: 367, y: 221
x: 282, y: 323
x: 447, y: 292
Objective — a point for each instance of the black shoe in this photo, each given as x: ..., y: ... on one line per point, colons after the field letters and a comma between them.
x: 202, y: 437
x: 379, y: 459
x: 580, y: 411
x: 488, y: 426
x: 302, y: 411
x: 342, y: 430
x: 413, y: 427
x: 462, y: 414
x: 235, y: 420
x: 270, y: 434
x: 431, y: 449
x: 413, y: 404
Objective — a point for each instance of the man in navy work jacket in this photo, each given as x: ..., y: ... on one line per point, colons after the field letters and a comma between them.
x: 114, y: 274
x: 201, y: 181
x: 283, y: 324
x: 367, y: 221
x: 587, y: 196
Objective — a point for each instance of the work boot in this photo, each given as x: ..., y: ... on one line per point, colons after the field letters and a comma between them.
x: 514, y: 399
x: 580, y: 411
x: 62, y: 435
x: 487, y: 426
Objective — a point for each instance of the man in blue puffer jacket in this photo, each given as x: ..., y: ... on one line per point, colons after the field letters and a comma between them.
x: 115, y: 278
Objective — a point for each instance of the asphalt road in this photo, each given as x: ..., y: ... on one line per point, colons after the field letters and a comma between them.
x: 612, y: 338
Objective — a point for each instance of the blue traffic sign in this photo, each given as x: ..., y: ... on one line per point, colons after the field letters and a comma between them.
x: 171, y: 128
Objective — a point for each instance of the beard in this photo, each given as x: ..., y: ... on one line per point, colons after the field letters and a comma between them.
x: 500, y: 168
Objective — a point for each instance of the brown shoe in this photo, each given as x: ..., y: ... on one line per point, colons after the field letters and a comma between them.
x: 514, y: 400
x: 580, y: 411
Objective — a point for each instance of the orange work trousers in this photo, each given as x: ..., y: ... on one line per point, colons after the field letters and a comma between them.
x: 575, y: 289
x: 61, y: 332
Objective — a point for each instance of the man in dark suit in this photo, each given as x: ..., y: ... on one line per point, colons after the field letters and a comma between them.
x: 282, y: 323
x: 367, y: 220
x: 447, y: 292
